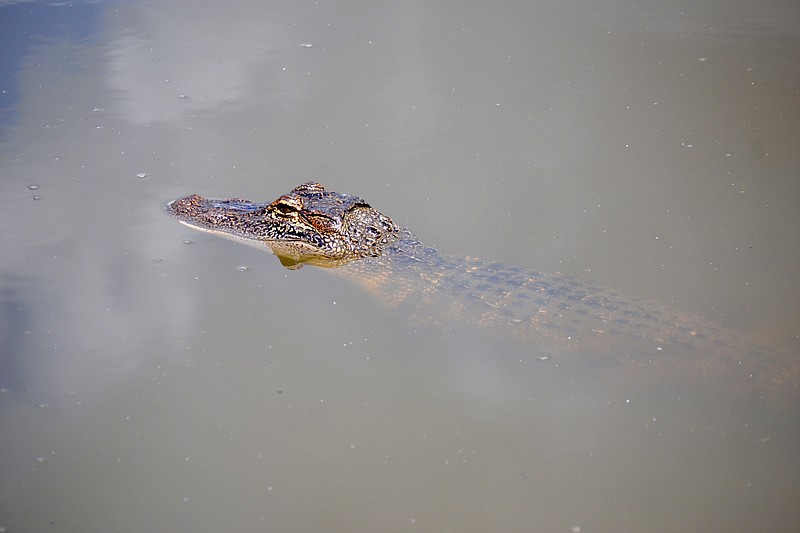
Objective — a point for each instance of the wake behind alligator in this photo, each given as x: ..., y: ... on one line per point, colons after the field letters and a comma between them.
x: 311, y: 225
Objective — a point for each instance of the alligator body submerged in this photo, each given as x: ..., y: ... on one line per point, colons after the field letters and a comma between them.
x: 311, y: 225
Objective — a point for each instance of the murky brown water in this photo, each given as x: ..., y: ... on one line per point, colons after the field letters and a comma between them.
x: 157, y: 379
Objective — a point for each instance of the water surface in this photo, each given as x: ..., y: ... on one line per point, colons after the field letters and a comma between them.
x: 154, y: 378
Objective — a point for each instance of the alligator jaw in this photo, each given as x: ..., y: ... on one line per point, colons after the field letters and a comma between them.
x: 186, y: 211
x: 292, y: 253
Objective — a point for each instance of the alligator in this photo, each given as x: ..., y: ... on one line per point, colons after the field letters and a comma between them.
x: 311, y: 225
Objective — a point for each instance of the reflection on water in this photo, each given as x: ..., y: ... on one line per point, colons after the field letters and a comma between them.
x: 153, y: 378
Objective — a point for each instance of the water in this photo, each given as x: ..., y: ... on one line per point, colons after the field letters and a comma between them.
x: 158, y: 379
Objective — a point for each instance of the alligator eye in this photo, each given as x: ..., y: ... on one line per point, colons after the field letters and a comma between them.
x: 285, y: 208
x: 287, y: 205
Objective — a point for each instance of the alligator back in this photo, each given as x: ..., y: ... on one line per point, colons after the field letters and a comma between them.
x: 555, y: 314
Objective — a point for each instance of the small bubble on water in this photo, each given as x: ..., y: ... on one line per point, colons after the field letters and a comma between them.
x: 188, y: 241
x: 33, y: 187
x: 37, y: 198
x: 306, y: 45
x: 543, y: 358
x: 183, y: 96
x: 242, y: 269
x: 142, y: 175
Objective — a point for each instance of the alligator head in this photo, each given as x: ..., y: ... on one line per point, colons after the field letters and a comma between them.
x: 308, y: 225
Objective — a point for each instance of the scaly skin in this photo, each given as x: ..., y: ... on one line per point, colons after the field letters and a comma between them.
x: 310, y: 225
